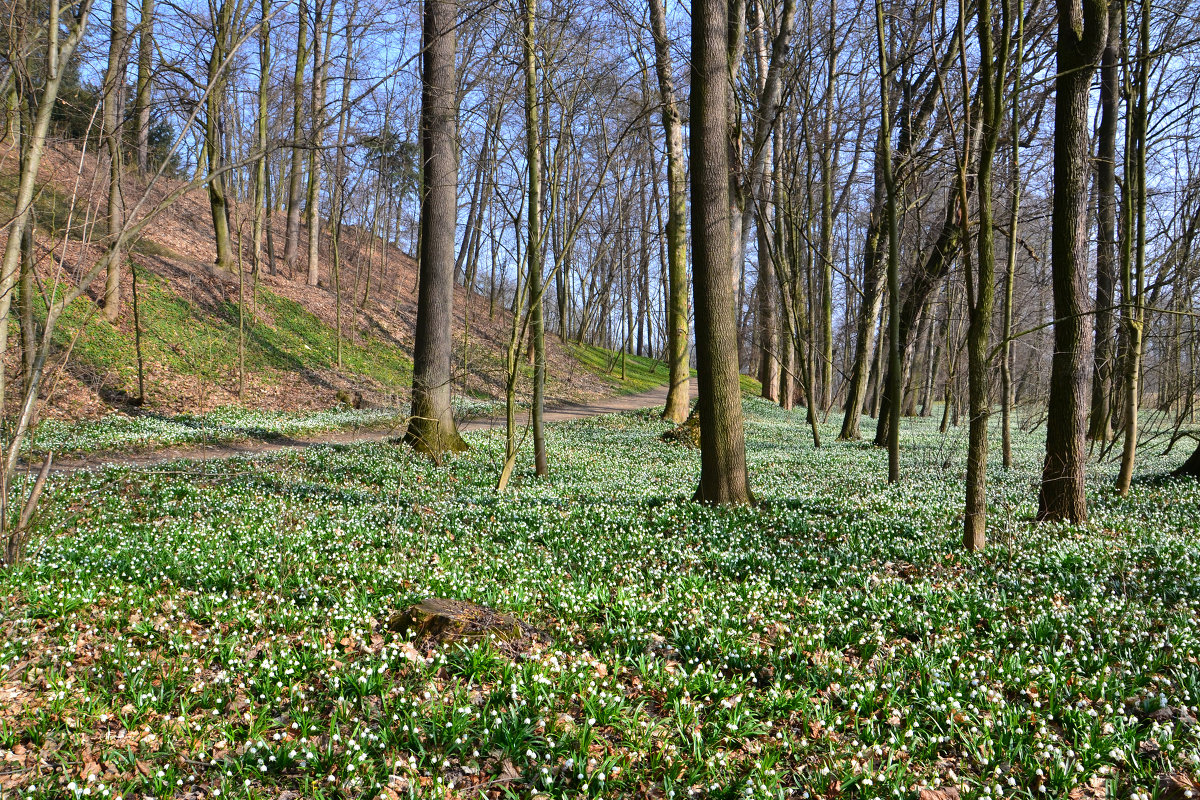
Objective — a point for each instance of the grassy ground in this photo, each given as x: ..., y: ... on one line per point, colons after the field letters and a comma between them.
x: 221, y: 628
x: 640, y: 374
x: 188, y: 340
x: 120, y: 433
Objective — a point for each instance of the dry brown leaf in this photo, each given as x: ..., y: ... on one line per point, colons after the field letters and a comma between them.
x: 944, y: 793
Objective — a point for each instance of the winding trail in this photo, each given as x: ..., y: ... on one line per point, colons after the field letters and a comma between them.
x: 253, y: 447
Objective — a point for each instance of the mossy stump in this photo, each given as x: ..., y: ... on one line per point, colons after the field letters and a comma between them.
x: 443, y: 619
x: 686, y: 433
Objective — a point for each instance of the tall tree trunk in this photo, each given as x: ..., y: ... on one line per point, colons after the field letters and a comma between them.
x: 1082, y: 32
x: 114, y: 113
x: 981, y: 287
x: 1133, y: 270
x: 1010, y: 268
x: 260, y: 167
x: 1100, y: 424
x: 533, y: 159
x: 213, y: 147
x: 914, y: 297
x: 827, y: 172
x: 291, y: 240
x: 893, y: 262
x: 768, y: 329
x: 723, y: 476
x: 676, y: 409
x: 312, y: 202
x: 145, y: 84
x: 868, y: 315
x: 432, y: 428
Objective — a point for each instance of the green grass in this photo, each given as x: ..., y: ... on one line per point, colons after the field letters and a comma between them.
x: 186, y: 339
x: 641, y: 374
x: 221, y: 626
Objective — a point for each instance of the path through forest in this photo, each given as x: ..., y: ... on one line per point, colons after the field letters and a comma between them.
x: 251, y: 447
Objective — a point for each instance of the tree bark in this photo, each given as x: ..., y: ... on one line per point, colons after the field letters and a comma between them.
x: 723, y: 476
x: 1133, y: 270
x: 114, y: 106
x: 1100, y: 425
x: 214, y: 153
x: 145, y: 84
x: 312, y: 203
x: 432, y: 429
x: 1082, y: 31
x: 676, y: 409
x: 533, y: 158
x: 260, y: 167
x: 291, y: 240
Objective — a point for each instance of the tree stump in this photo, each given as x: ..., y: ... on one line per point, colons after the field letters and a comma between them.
x: 444, y: 619
x: 686, y: 433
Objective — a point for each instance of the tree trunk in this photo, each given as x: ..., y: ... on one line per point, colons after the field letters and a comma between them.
x: 312, y: 203
x: 533, y: 158
x: 922, y: 284
x: 1191, y: 467
x: 981, y: 287
x: 868, y: 315
x: 1010, y: 268
x: 214, y: 153
x: 260, y: 167
x: 723, y: 476
x: 768, y: 329
x: 432, y: 429
x: 145, y: 84
x: 114, y: 105
x: 291, y: 240
x: 1100, y: 425
x: 1133, y: 270
x: 676, y: 409
x: 1082, y: 31
x: 893, y: 262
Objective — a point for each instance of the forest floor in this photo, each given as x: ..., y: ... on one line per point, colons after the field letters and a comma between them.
x: 155, y: 440
x: 221, y: 628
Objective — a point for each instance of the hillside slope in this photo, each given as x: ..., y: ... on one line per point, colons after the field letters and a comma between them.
x: 189, y: 316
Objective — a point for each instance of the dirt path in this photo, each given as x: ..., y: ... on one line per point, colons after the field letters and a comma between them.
x: 252, y: 447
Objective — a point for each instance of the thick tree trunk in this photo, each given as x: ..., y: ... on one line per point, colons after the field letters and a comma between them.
x: 676, y: 409
x: 432, y: 428
x: 1082, y: 31
x: 723, y: 476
